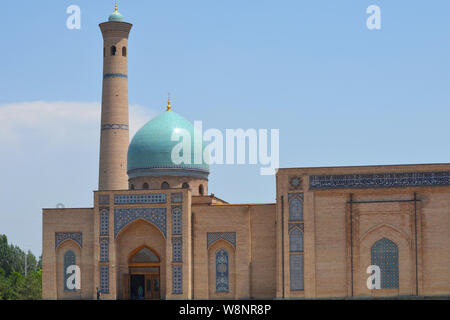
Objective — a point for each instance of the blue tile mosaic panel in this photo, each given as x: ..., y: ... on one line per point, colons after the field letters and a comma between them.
x: 104, y: 222
x: 140, y: 198
x: 156, y: 216
x: 384, y: 254
x: 379, y: 180
x: 296, y: 240
x: 295, y: 206
x: 296, y: 268
x: 104, y: 279
x: 222, y: 279
x: 177, y: 249
x: 176, y: 220
x: 177, y: 280
x: 104, y: 250
x: 63, y: 236
x: 212, y: 237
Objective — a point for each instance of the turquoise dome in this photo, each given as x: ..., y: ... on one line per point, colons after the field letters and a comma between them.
x: 116, y: 16
x: 150, y: 150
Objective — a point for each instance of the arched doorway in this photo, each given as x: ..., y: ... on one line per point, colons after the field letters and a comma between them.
x: 144, y: 274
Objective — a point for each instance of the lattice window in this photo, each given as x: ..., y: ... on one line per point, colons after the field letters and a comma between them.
x: 104, y: 223
x: 176, y: 220
x: 296, y: 240
x: 177, y: 280
x: 296, y: 207
x: 104, y: 279
x: 69, y: 260
x: 104, y: 250
x: 384, y: 254
x: 222, y: 279
x: 296, y: 265
x: 177, y: 249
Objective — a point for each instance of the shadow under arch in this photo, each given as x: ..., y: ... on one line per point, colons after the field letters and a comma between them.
x: 65, y: 242
x: 156, y: 261
x: 137, y: 220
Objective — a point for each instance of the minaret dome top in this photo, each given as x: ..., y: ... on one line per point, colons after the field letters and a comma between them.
x: 116, y: 15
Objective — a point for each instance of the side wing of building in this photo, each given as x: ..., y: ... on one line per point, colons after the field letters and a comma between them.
x: 67, y: 238
x: 337, y: 222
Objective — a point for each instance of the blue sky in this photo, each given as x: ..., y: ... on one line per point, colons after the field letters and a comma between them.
x: 339, y: 93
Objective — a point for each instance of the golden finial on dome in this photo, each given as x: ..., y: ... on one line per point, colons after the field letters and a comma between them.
x: 115, y: 7
x: 169, y: 107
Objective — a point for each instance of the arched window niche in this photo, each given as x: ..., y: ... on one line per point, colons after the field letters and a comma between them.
x: 165, y: 185
x: 384, y: 254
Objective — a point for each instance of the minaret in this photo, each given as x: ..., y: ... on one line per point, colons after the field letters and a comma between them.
x: 114, y: 138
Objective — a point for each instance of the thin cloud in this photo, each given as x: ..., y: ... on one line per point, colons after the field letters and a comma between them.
x: 60, y: 121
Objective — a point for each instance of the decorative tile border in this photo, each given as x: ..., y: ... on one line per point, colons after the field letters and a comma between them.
x: 140, y: 198
x: 212, y: 237
x: 63, y: 236
x: 156, y: 216
x: 379, y: 180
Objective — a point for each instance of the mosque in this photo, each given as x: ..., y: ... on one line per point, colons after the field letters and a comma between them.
x: 155, y: 232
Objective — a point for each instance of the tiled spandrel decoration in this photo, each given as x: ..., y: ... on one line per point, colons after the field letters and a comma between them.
x: 215, y: 236
x: 63, y: 236
x: 156, y: 216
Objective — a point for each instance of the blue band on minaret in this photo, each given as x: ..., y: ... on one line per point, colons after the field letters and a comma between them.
x: 115, y: 75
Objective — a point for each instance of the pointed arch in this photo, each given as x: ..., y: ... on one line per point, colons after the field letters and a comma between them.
x: 384, y: 225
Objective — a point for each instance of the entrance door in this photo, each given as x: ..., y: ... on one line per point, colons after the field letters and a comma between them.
x: 152, y: 286
x: 137, y: 286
